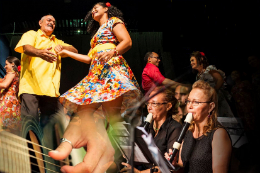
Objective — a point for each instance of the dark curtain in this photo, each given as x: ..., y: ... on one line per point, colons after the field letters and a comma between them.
x: 4, y: 53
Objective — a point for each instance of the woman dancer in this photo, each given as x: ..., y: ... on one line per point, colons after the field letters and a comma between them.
x: 215, y: 78
x: 10, y: 118
x: 110, y: 83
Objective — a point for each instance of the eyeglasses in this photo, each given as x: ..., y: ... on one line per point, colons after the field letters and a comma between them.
x: 194, y: 103
x: 156, y: 57
x: 155, y: 104
x: 181, y: 94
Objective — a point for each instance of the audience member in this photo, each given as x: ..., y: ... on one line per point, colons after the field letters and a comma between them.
x: 243, y: 95
x: 179, y: 116
x: 181, y: 94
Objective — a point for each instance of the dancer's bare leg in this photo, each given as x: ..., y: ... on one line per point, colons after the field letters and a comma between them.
x: 1, y: 125
x: 112, y: 110
x: 84, y: 131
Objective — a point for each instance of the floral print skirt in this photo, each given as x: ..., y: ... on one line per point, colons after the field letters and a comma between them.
x: 105, y: 81
x: 10, y: 111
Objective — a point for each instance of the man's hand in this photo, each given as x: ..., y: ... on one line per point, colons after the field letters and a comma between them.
x: 58, y: 48
x: 47, y: 55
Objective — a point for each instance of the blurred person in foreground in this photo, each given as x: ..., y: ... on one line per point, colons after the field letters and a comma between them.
x: 181, y: 94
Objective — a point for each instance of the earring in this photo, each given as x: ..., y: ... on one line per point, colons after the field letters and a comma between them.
x: 13, y: 69
x: 209, y: 115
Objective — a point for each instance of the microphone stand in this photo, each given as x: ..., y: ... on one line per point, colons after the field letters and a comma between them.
x: 134, y: 123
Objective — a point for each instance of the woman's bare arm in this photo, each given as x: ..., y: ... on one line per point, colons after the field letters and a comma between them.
x: 217, y: 78
x: 7, y: 81
x: 79, y: 57
x: 221, y: 151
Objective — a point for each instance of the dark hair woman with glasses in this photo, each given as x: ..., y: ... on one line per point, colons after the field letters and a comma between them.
x: 207, y: 146
x: 164, y: 129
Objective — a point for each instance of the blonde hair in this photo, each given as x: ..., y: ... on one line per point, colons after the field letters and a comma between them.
x: 212, y: 97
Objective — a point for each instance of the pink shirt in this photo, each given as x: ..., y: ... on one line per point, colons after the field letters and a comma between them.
x: 151, y: 76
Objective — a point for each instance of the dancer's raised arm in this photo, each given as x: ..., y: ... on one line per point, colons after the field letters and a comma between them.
x: 79, y: 57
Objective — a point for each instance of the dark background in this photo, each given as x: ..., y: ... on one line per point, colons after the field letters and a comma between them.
x: 226, y: 30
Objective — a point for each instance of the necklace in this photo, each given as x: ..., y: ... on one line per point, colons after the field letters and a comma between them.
x: 198, y: 75
x: 155, y: 128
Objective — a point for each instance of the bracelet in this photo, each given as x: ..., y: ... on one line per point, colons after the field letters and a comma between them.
x: 115, y: 52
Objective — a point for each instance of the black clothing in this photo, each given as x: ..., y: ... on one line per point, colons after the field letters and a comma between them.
x: 48, y: 107
x: 167, y: 135
x: 196, y: 153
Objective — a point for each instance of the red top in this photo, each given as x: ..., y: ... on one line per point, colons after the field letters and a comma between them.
x: 151, y: 76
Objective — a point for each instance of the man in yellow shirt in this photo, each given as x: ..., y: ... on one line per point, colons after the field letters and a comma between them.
x: 41, y: 70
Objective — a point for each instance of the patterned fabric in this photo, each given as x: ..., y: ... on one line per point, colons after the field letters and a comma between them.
x: 10, y: 106
x: 207, y: 77
x: 224, y: 96
x: 106, y: 80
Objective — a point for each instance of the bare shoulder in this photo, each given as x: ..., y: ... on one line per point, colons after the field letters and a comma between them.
x: 214, y: 72
x: 221, y: 135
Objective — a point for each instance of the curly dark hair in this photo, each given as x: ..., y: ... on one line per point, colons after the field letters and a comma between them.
x: 94, y: 25
x: 201, y: 58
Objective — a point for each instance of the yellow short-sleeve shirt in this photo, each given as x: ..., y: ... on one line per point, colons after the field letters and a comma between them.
x: 37, y: 75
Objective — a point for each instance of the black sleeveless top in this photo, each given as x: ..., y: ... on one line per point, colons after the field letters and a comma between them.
x: 196, y: 153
